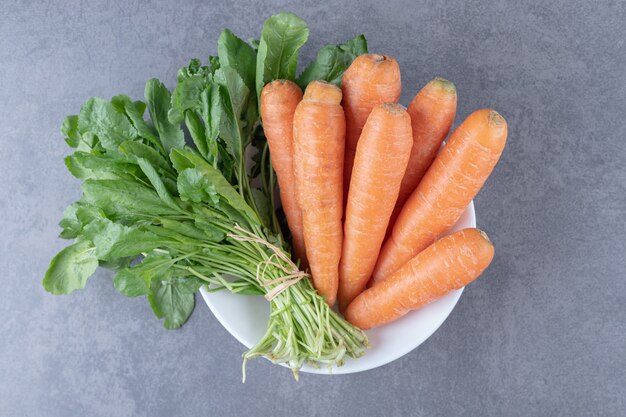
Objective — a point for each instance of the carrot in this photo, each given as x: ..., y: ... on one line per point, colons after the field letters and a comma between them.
x: 381, y: 157
x: 432, y: 113
x: 278, y: 105
x: 319, y: 137
x: 448, y: 264
x: 455, y: 176
x: 371, y: 79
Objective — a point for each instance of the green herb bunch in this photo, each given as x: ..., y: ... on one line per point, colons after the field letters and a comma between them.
x: 170, y: 217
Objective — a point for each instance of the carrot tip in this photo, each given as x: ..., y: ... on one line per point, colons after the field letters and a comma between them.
x: 446, y: 85
x: 378, y: 58
x: 393, y: 108
x: 496, y: 119
x: 323, y: 92
x: 484, y: 235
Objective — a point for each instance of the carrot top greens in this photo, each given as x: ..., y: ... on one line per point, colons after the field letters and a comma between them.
x: 168, y: 216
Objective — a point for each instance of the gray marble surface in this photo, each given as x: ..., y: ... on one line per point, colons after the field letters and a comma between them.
x: 542, y: 333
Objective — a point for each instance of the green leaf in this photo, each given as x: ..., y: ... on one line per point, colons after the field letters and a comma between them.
x: 332, y: 61
x: 195, y: 67
x: 214, y: 63
x: 135, y: 281
x: 194, y: 186
x: 196, y: 130
x: 281, y: 39
x: 89, y: 142
x: 211, y: 111
x: 158, y: 99
x: 124, y: 199
x: 157, y: 183
x: 234, y: 98
x: 238, y: 93
x: 134, y: 150
x: 69, y: 129
x: 102, y: 119
x: 186, y: 96
x: 172, y: 301
x: 135, y: 111
x: 70, y: 223
x: 114, y: 240
x: 210, y: 179
x: 237, y: 54
x: 211, y: 232
x: 75, y: 217
x: 189, y: 284
x: 183, y: 159
x: 70, y: 268
x: 119, y: 102
x: 85, y: 165
x: 131, y: 284
x: 86, y: 213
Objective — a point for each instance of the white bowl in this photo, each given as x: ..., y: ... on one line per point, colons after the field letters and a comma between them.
x: 246, y: 318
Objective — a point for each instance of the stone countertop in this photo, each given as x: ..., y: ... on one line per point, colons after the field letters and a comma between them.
x: 542, y: 333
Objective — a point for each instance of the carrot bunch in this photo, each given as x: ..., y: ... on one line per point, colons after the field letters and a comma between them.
x: 367, y: 192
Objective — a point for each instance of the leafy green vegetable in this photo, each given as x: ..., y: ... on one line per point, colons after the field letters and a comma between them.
x: 135, y: 111
x: 172, y: 300
x: 135, y: 281
x: 158, y: 184
x: 70, y: 223
x: 211, y: 112
x: 124, y: 199
x: 186, y: 96
x: 195, y: 67
x: 102, y: 119
x: 69, y: 129
x: 234, y: 95
x: 332, y: 61
x: 169, y: 218
x: 132, y: 284
x: 70, y: 268
x: 114, y: 240
x: 196, y: 130
x: 136, y: 150
x: 159, y: 99
x: 85, y: 165
x: 277, y: 57
x: 210, y: 180
x: 237, y: 54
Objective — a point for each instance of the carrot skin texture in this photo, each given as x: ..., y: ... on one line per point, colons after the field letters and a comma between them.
x: 278, y: 105
x: 448, y: 264
x: 319, y: 139
x: 452, y: 181
x: 381, y: 158
x: 432, y: 113
x: 370, y: 80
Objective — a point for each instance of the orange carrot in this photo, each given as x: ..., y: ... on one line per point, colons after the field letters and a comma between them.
x: 319, y: 138
x: 370, y: 80
x: 381, y: 158
x: 448, y: 264
x: 455, y: 176
x: 278, y: 105
x: 432, y: 113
